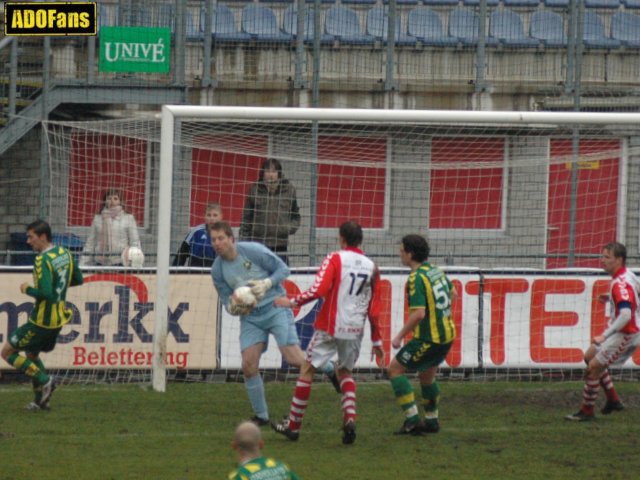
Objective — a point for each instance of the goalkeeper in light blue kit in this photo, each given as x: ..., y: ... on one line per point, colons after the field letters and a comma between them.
x: 254, y: 265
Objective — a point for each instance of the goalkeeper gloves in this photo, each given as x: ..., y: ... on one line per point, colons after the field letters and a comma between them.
x: 260, y: 287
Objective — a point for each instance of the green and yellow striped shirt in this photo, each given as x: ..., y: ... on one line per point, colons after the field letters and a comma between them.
x: 429, y: 288
x: 263, y: 468
x: 54, y: 271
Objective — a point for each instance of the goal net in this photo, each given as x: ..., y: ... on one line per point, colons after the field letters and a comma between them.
x: 516, y: 207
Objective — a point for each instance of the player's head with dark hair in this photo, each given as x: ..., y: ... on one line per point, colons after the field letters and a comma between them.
x: 618, y: 250
x: 271, y: 164
x: 40, y: 227
x: 351, y: 232
x: 221, y: 227
x: 416, y: 246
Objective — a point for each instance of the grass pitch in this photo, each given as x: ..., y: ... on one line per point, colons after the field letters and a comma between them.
x: 492, y: 430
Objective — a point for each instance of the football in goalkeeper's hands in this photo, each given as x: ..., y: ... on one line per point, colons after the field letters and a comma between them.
x: 244, y: 296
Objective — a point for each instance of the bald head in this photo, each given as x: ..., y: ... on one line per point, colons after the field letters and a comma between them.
x: 247, y: 438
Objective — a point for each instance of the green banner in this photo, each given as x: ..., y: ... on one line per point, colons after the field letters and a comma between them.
x: 135, y: 49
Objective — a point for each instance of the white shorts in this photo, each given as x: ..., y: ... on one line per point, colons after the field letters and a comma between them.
x: 617, y: 349
x: 323, y: 347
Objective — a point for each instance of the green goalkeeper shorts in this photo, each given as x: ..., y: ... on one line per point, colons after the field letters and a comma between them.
x: 420, y: 356
x: 34, y: 339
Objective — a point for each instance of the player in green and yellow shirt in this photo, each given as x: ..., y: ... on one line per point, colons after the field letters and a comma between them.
x: 430, y: 295
x: 248, y: 443
x: 54, y: 271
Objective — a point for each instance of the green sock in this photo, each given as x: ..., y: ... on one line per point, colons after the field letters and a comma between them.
x: 430, y: 400
x: 406, y: 398
x: 29, y: 368
x: 37, y: 386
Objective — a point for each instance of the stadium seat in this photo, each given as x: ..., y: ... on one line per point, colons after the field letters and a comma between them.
x: 224, y: 28
x: 440, y: 2
x: 506, y: 27
x: 404, y: 2
x: 167, y: 16
x: 378, y: 27
x: 593, y: 33
x: 361, y: 2
x: 261, y: 24
x: 464, y: 25
x: 556, y: 3
x: 194, y: 26
x: 625, y: 27
x: 424, y: 24
x: 631, y: 4
x: 475, y: 3
x: 343, y: 24
x: 108, y: 16
x: 290, y: 24
x: 139, y: 17
x: 521, y: 3
x: 602, y: 3
x: 548, y: 27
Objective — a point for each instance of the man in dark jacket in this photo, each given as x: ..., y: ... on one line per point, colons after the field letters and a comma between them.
x: 271, y: 211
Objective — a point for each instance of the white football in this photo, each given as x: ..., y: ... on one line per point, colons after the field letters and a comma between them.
x: 245, y: 296
x: 132, y: 257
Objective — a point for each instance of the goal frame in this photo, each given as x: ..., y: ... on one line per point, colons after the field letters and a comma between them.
x: 171, y: 115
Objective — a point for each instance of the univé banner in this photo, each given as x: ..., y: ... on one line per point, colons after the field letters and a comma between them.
x: 135, y: 49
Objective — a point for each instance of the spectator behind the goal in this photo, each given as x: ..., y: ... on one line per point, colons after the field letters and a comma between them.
x: 271, y: 210
x: 248, y: 444
x: 112, y: 230
x: 196, y: 249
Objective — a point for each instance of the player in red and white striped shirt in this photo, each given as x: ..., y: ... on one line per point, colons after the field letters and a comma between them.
x: 349, y: 283
x: 616, y: 344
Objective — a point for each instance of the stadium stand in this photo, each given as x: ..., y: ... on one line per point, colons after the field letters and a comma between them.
x: 224, y: 28
x: 343, y: 24
x: 631, y: 4
x: 594, y: 34
x: 521, y: 3
x: 108, y: 16
x: 602, y: 4
x: 440, y: 2
x: 506, y: 27
x: 424, y: 24
x: 378, y: 27
x: 548, y: 27
x: 410, y: 2
x: 475, y: 3
x: 465, y: 25
x: 625, y: 27
x: 290, y: 25
x: 361, y: 2
x: 556, y: 3
x: 261, y: 24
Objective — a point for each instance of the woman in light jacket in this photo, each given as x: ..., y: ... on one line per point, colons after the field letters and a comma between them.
x: 112, y: 230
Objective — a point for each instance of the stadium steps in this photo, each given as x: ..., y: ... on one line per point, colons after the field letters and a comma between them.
x: 31, y: 115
